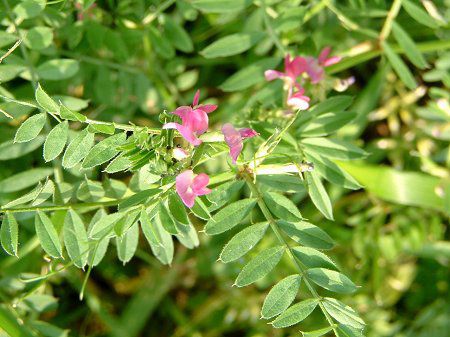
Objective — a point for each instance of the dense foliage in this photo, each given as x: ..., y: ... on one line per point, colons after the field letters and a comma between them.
x: 307, y: 184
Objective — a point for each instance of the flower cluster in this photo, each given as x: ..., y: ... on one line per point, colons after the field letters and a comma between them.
x: 194, y: 122
x: 311, y: 67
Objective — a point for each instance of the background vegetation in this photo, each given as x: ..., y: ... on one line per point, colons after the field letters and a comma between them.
x: 129, y: 60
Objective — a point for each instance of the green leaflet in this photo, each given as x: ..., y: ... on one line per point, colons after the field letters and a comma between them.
x: 44, y: 193
x: 281, y: 296
x: 149, y: 229
x: 120, y: 163
x: 229, y: 216
x: 313, y: 258
x: 250, y: 75
x: 26, y: 197
x: 399, y: 66
x: 177, y: 35
x: 90, y: 190
x: 223, y: 193
x: 325, y: 124
x: 295, y: 314
x: 331, y: 280
x: 55, y: 141
x: 187, y: 235
x: 408, y: 46
x: 243, y: 242
x: 71, y: 115
x: 31, y: 128
x: 47, y: 235
x: 232, y: 44
x: 318, y: 332
x: 319, y: 195
x: 160, y: 241
x: 260, y: 266
x: 307, y: 234
x: 78, y: 149
x: 201, y: 210
x: 336, y: 105
x: 24, y: 179
x: 104, y: 227
x: 330, y: 171
x: 127, y: 243
x: 10, y: 150
x: 138, y: 198
x: 176, y: 208
x: 100, y: 247
x: 57, y: 69
x: 104, y: 151
x: 75, y: 239
x: 9, y: 234
x: 220, y: 6
x: 45, y: 101
x: 161, y: 45
x: 332, y: 148
x: 419, y: 14
x: 282, y: 207
x: 106, y: 128
x: 166, y: 219
x: 343, y: 313
x: 38, y: 38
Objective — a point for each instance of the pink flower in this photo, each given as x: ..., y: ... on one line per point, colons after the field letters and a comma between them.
x: 234, y: 138
x: 194, y: 120
x: 315, y: 67
x: 189, y: 186
x: 292, y: 70
x: 298, y: 100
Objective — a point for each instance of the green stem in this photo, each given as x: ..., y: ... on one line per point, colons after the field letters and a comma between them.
x: 298, y: 264
x: 393, y: 12
x: 161, y: 8
x: 270, y: 29
x: 61, y: 207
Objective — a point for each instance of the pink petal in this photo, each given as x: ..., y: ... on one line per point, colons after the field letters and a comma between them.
x: 287, y: 62
x: 198, y: 121
x: 297, y: 67
x: 234, y: 141
x: 324, y: 54
x: 199, y: 184
x: 299, y: 102
x: 248, y: 133
x: 314, y: 70
x: 179, y: 154
x: 182, y: 112
x: 332, y: 60
x: 270, y: 75
x: 183, y: 184
x: 188, y: 134
x: 171, y: 126
x: 208, y: 108
x: 196, y: 98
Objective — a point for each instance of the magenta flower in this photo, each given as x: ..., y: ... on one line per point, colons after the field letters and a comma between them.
x: 292, y: 70
x: 189, y: 186
x: 298, y: 100
x: 234, y: 138
x: 315, y: 67
x: 194, y: 120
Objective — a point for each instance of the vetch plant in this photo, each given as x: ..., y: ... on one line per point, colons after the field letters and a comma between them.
x: 129, y: 169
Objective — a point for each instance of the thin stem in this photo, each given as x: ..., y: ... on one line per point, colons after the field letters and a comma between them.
x: 270, y: 29
x: 10, y: 50
x: 62, y: 207
x: 386, y: 30
x: 161, y: 8
x: 298, y: 264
